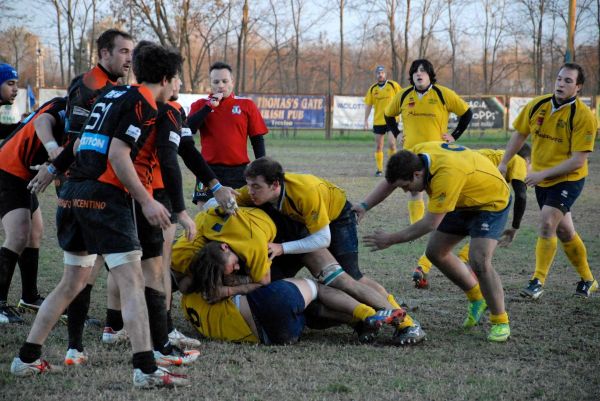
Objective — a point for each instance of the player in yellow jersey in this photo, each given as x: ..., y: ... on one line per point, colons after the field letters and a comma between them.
x: 328, y: 222
x: 425, y: 108
x: 224, y: 305
x: 563, y: 131
x: 468, y: 197
x: 378, y: 97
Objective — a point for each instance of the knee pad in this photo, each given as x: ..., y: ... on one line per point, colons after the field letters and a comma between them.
x: 330, y: 273
x: 117, y: 259
x: 79, y: 260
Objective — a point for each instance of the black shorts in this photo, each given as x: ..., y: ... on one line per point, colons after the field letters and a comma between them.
x: 229, y: 176
x: 162, y: 196
x: 151, y: 237
x: 95, y: 217
x: 561, y: 196
x: 15, y: 195
x: 380, y: 129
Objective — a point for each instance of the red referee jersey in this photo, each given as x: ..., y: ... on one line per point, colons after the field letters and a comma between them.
x: 225, y: 131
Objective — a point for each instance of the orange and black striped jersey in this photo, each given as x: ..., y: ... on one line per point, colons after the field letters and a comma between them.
x: 127, y: 113
x: 23, y: 148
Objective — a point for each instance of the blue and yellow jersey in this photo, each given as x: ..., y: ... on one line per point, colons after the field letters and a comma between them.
x: 516, y: 168
x: 425, y: 118
x: 379, y: 97
x: 308, y: 199
x: 461, y: 179
x: 247, y: 234
x: 556, y: 134
x: 220, y: 321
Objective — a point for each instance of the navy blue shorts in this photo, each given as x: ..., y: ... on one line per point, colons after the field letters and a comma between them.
x: 344, y: 241
x: 229, y: 176
x: 380, y: 129
x: 162, y: 196
x: 561, y: 196
x: 95, y: 217
x: 15, y: 195
x: 476, y: 224
x: 151, y: 237
x: 278, y: 311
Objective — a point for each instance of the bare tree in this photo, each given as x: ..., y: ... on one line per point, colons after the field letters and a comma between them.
x: 431, y: 12
x: 405, y: 55
x: 535, y: 11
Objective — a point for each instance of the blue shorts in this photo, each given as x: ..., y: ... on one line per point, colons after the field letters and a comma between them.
x: 344, y: 241
x: 278, y: 311
x: 561, y: 196
x: 380, y: 129
x: 476, y: 224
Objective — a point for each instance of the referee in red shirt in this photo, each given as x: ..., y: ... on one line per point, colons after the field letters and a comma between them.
x: 226, y: 121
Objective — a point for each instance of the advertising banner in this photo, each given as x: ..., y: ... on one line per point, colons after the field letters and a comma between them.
x: 284, y: 111
x: 488, y: 113
x: 349, y: 113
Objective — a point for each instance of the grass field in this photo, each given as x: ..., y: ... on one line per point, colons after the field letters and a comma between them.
x: 552, y: 354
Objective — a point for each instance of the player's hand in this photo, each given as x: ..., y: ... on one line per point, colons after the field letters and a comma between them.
x: 359, y: 210
x: 366, y: 125
x: 225, y: 197
x: 215, y: 99
x: 53, y: 154
x: 533, y: 179
x: 156, y: 214
x: 188, y: 225
x: 377, y: 241
x: 274, y: 250
x: 40, y: 182
x: 507, y: 237
x: 448, y: 138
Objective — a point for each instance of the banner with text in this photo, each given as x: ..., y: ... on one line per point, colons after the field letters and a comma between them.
x: 349, y: 113
x: 283, y: 111
x: 488, y: 113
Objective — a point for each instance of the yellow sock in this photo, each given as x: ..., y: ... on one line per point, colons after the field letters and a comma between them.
x: 392, y: 301
x: 425, y: 264
x: 499, y: 319
x: 362, y: 311
x: 416, y: 210
x: 474, y: 294
x: 407, y: 322
x: 379, y: 160
x: 577, y: 254
x: 391, y: 152
x: 463, y: 254
x: 545, y: 249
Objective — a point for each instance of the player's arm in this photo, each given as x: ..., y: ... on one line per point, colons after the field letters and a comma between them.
x: 514, y: 144
x: 317, y: 240
x: 463, y: 123
x: 258, y: 146
x: 377, y: 195
x: 576, y: 161
x: 368, y: 108
x: 44, y: 125
x: 381, y: 240
x: 119, y: 156
x: 223, y: 292
x: 520, y: 199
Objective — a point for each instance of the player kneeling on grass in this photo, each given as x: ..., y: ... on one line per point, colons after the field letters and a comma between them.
x: 468, y: 197
x: 221, y: 308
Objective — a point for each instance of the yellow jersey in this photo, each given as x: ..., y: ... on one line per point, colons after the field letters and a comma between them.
x: 425, y: 117
x: 247, y: 234
x: 557, y: 134
x: 458, y: 178
x: 307, y: 199
x: 516, y: 168
x: 379, y: 97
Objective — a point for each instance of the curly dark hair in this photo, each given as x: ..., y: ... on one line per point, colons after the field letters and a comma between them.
x: 152, y: 63
x: 427, y: 66
x: 402, y: 166
x: 207, y: 269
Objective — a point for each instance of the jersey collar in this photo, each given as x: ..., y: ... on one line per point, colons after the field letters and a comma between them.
x: 422, y: 93
x: 556, y: 106
x: 281, y: 195
x: 426, y: 159
x: 382, y: 84
x: 110, y: 76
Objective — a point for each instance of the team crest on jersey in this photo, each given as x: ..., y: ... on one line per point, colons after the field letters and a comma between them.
x: 411, y: 103
x: 540, y: 120
x: 441, y: 197
x: 113, y: 94
x: 236, y: 110
x: 560, y: 124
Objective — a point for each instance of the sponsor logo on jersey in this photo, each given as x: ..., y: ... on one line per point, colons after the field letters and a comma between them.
x: 113, y: 94
x: 174, y: 137
x: 560, y: 124
x: 80, y: 111
x: 185, y: 131
x: 134, y: 132
x: 94, y: 142
x: 236, y: 110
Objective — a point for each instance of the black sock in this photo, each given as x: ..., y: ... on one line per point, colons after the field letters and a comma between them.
x: 144, y: 361
x: 114, y: 319
x: 30, y: 352
x: 76, y: 314
x: 170, y: 326
x: 8, y: 262
x: 28, y: 264
x: 157, y: 317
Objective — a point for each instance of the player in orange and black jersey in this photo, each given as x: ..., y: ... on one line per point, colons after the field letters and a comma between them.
x: 94, y: 213
x: 33, y: 143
